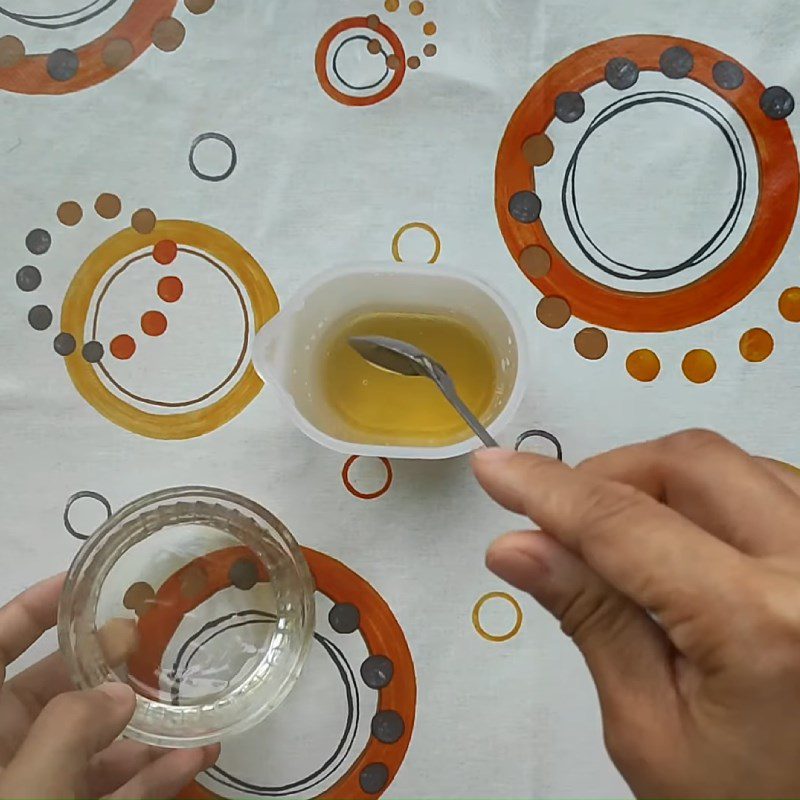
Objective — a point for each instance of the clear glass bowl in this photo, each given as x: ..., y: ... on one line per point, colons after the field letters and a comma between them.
x: 198, y: 598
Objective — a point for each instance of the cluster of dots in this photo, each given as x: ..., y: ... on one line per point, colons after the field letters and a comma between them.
x: 153, y: 323
x: 63, y: 64
x: 416, y: 9
x: 38, y: 242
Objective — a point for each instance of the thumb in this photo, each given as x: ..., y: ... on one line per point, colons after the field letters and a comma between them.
x: 54, y: 758
x: 626, y: 652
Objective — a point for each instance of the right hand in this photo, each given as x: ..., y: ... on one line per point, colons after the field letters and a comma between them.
x: 675, y: 567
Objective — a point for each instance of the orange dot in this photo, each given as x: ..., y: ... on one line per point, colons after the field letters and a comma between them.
x: 391, y: 5
x: 165, y: 251
x: 643, y: 365
x: 429, y: 28
x: 154, y: 323
x: 756, y: 345
x: 123, y: 347
x: 699, y: 366
x: 789, y: 304
x: 170, y: 289
x: 416, y: 8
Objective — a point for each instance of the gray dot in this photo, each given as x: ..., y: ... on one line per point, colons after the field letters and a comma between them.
x: 777, y: 102
x: 621, y: 73
x: 387, y: 726
x: 377, y: 671
x: 93, y: 352
x: 38, y: 241
x: 243, y: 574
x: 29, y: 278
x: 62, y: 64
x: 64, y: 344
x: 344, y: 618
x: 727, y: 75
x: 373, y: 778
x: 525, y: 206
x: 676, y: 62
x: 40, y: 318
x: 570, y: 106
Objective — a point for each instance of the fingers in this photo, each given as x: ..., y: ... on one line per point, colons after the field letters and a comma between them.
x: 167, y: 775
x: 713, y: 483
x: 626, y: 652
x: 54, y: 758
x: 786, y: 473
x: 117, y: 764
x: 26, y: 618
x: 650, y: 553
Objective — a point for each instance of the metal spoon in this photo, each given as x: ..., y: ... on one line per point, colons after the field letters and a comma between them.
x: 405, y: 359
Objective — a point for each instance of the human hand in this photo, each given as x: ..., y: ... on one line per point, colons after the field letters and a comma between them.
x: 59, y: 743
x: 703, y: 702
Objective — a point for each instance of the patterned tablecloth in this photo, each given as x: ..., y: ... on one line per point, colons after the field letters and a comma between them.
x: 172, y: 172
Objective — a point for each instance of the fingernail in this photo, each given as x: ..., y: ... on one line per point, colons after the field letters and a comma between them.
x: 493, y: 455
x: 118, y: 692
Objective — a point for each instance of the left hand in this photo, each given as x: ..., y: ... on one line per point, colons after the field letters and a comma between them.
x: 59, y: 743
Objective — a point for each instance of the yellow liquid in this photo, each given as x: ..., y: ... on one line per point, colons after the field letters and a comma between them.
x: 378, y: 407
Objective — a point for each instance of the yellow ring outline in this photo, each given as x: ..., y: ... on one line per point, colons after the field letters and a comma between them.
x: 422, y: 226
x: 74, y: 311
x: 476, y: 617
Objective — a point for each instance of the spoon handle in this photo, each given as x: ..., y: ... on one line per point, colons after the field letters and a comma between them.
x: 447, y: 388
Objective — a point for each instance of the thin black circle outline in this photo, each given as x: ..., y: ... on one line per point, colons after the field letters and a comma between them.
x: 335, y: 68
x: 80, y: 496
x: 570, y: 206
x: 539, y: 434
x: 216, y: 137
x: 353, y: 706
x: 35, y: 20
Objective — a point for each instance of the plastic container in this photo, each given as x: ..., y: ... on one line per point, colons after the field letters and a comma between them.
x: 198, y: 598
x: 283, y: 351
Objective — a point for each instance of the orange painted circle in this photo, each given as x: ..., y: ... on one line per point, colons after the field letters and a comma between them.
x: 30, y: 76
x: 170, y: 289
x: 366, y: 495
x: 756, y: 345
x: 154, y: 323
x: 122, y: 347
x: 165, y: 251
x: 378, y: 626
x: 789, y: 304
x: 321, y: 62
x: 715, y: 292
x: 643, y: 365
x: 699, y: 366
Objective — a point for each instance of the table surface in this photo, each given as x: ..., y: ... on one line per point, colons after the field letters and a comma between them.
x: 625, y: 174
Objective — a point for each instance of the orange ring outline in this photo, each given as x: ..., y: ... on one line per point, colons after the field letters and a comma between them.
x: 321, y: 63
x: 476, y: 617
x: 367, y: 495
x: 77, y: 301
x: 711, y: 294
x: 378, y: 626
x: 423, y: 226
x: 30, y: 75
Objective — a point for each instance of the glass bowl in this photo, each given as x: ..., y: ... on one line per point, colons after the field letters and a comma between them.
x: 199, y: 599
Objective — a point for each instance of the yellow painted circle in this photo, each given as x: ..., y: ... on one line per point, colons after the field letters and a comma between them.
x: 423, y: 226
x: 476, y: 617
x: 77, y: 301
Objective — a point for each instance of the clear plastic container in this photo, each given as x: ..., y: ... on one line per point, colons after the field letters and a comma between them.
x: 198, y: 598
x: 284, y: 349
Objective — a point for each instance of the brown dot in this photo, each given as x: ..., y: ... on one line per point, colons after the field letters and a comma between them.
x: 143, y: 221
x: 643, y: 365
x: 391, y: 5
x: 69, y: 213
x: 117, y: 54
x: 12, y: 51
x: 538, y: 150
x: 699, y: 366
x: 789, y: 304
x: 413, y: 62
x: 756, y: 345
x: 393, y: 62
x: 429, y: 50
x: 591, y: 343
x: 535, y: 261
x: 194, y: 581
x: 199, y: 6
x: 138, y: 597
x: 108, y: 205
x: 243, y: 574
x: 118, y: 639
x: 416, y: 7
x: 553, y: 312
x: 429, y: 28
x: 373, y: 22
x: 168, y: 34
x: 374, y: 46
